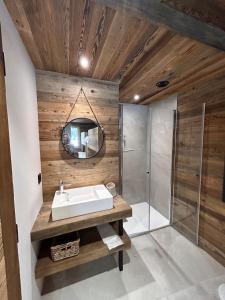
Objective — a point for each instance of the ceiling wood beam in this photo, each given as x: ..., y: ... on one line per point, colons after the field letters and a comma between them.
x: 184, y: 21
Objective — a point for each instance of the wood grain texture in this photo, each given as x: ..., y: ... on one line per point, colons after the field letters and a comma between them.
x: 45, y: 228
x: 91, y: 249
x: 8, y: 241
x: 203, y: 21
x: 212, y: 210
x: 81, y: 26
x: 56, y: 94
x: 3, y: 279
x: 121, y: 46
x: 58, y: 32
x: 206, y: 11
x: 180, y: 60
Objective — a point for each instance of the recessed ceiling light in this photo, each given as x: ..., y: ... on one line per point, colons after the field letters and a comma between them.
x: 84, y: 62
x: 162, y: 83
x: 136, y: 97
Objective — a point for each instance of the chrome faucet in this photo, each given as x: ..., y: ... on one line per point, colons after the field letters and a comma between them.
x: 61, y: 187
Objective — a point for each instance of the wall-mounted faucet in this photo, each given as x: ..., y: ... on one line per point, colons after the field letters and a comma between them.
x: 61, y: 187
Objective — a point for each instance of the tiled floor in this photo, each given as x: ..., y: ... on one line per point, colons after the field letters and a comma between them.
x: 163, y: 266
x: 139, y: 222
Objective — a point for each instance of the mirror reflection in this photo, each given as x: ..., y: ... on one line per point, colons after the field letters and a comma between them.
x: 82, y: 138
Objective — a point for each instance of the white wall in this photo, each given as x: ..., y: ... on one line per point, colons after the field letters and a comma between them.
x: 24, y: 140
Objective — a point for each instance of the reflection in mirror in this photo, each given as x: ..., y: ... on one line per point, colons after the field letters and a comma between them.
x: 82, y: 138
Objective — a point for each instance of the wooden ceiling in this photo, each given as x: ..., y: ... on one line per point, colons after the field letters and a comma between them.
x: 211, y: 12
x: 179, y: 60
x: 57, y: 32
x: 120, y: 46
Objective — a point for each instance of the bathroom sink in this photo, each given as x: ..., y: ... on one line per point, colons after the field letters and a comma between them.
x: 80, y: 201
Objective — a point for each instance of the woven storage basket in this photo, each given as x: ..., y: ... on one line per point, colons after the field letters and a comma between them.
x: 65, y: 246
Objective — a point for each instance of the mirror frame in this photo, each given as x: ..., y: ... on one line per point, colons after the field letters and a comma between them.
x: 98, y: 125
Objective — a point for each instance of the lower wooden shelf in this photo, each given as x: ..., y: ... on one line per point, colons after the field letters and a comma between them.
x: 91, y: 248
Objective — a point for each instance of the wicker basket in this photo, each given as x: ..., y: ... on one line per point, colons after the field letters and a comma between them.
x: 65, y: 246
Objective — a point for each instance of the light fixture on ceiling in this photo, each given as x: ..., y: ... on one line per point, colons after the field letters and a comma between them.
x: 84, y: 62
x: 162, y: 83
x: 136, y: 97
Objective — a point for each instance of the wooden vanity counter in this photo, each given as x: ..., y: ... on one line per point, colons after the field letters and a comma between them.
x: 45, y: 228
x: 93, y: 247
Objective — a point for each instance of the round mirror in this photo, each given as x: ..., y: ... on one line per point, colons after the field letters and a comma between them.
x: 82, y: 138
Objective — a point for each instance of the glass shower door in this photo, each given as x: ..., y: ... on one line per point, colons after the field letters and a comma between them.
x: 134, y: 156
x: 188, y: 170
x: 161, y: 161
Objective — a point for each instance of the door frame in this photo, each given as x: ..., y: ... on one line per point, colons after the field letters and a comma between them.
x: 7, y: 209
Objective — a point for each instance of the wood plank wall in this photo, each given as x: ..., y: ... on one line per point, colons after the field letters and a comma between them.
x: 56, y: 94
x: 212, y: 209
x: 9, y: 261
x: 3, y: 280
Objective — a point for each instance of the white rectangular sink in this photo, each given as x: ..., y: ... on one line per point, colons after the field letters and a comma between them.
x: 80, y: 201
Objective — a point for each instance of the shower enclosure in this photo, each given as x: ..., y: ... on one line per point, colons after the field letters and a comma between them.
x: 188, y: 172
x: 147, y: 139
x: 134, y: 166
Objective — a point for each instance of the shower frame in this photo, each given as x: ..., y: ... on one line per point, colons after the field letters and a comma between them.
x: 195, y: 240
x: 148, y: 169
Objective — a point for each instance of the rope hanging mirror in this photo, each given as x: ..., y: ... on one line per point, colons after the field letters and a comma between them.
x: 82, y: 137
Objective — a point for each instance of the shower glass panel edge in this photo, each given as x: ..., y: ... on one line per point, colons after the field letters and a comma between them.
x: 173, y: 164
x: 200, y: 171
x: 148, y: 164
